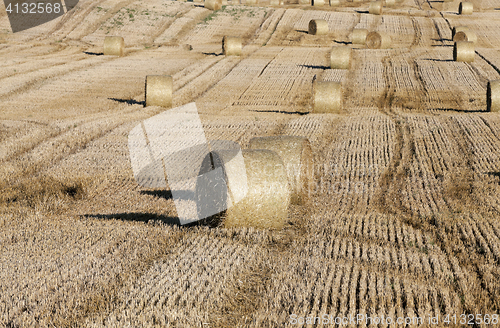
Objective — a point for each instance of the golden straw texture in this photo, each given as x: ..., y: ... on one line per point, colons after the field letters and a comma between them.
x: 493, y: 96
x: 465, y: 36
x: 266, y: 203
x: 327, y: 97
x: 465, y: 8
x: 297, y: 157
x: 231, y: 46
x: 378, y: 40
x: 113, y: 46
x: 340, y: 57
x: 463, y: 51
x: 159, y: 90
x: 358, y: 36
x: 318, y: 27
x: 213, y: 4
x: 375, y: 8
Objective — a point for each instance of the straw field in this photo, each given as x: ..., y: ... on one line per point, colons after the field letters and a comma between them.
x: 404, y: 218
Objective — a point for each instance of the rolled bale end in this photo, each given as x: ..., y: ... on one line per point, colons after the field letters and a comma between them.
x: 375, y: 8
x: 457, y: 29
x: 378, y: 40
x: 213, y: 4
x: 113, y: 46
x: 232, y: 46
x: 390, y: 3
x: 463, y: 51
x: 318, y: 3
x: 465, y: 36
x: 493, y: 96
x: 267, y: 200
x: 297, y: 157
x: 340, y: 57
x: 465, y: 8
x: 334, y: 3
x: 159, y: 90
x: 358, y: 36
x: 318, y: 27
x: 327, y: 97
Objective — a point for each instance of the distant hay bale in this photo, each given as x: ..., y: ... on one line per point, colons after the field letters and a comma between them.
x: 251, y: 2
x: 113, y: 46
x: 213, y: 4
x: 266, y: 203
x: 378, y: 40
x: 276, y: 2
x: 318, y: 27
x: 334, y: 3
x: 318, y: 3
x: 304, y: 2
x: 463, y: 51
x: 297, y: 157
x: 340, y: 57
x: 327, y: 97
x: 465, y: 36
x: 358, y: 36
x: 231, y: 46
x: 465, y: 8
x: 493, y: 96
x: 159, y: 90
x: 457, y: 29
x: 390, y: 3
x: 375, y: 8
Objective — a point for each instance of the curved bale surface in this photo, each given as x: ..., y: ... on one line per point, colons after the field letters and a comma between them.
x: 213, y: 4
x: 266, y: 203
x: 296, y: 153
x: 493, y: 96
x: 340, y: 57
x: 358, y: 36
x: 465, y: 8
x: 327, y: 97
x: 465, y: 36
x: 463, y: 51
x: 158, y: 90
x: 375, y: 8
x: 390, y: 3
x: 318, y: 3
x: 378, y: 40
x: 231, y: 46
x: 318, y: 27
x: 113, y: 46
x: 334, y: 3
x: 457, y: 29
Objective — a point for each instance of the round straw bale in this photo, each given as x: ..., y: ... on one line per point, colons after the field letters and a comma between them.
x: 358, y: 36
x: 457, y: 29
x: 390, y: 3
x: 334, y: 3
x: 251, y: 2
x: 297, y: 157
x: 375, y: 8
x: 304, y: 2
x: 465, y: 36
x: 213, y: 4
x: 231, y: 46
x: 340, y: 57
x: 318, y: 27
x: 463, y: 51
x: 318, y: 3
x: 159, y: 90
x: 327, y: 97
x: 493, y: 96
x: 275, y: 2
x: 113, y: 46
x: 465, y: 8
x: 378, y: 40
x: 268, y: 198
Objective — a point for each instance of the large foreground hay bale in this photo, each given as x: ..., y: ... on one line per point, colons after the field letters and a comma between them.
x: 463, y: 51
x: 327, y: 97
x: 159, y: 90
x: 493, y: 96
x: 358, y: 36
x: 465, y: 8
x: 231, y: 46
x: 297, y: 157
x: 465, y: 36
x: 113, y: 46
x: 213, y: 4
x: 268, y: 198
x: 318, y: 27
x: 340, y: 57
x: 375, y: 8
x: 378, y: 40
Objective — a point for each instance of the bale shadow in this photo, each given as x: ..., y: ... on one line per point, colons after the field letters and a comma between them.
x: 495, y: 174
x: 136, y: 217
x: 362, y: 11
x: 279, y: 112
x: 438, y: 60
x: 342, y: 42
x: 442, y: 45
x: 459, y: 110
x: 93, y: 53
x: 212, y: 54
x: 442, y: 40
x: 302, y: 31
x: 165, y: 194
x: 315, y: 66
x: 129, y: 101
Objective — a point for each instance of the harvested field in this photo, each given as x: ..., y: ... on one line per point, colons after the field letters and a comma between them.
x: 404, y: 213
